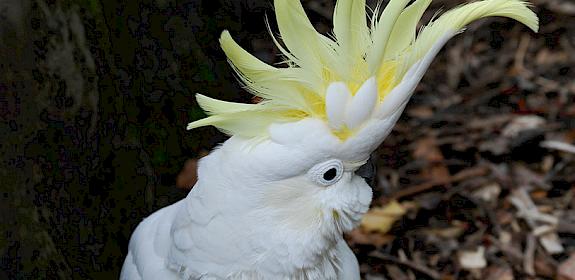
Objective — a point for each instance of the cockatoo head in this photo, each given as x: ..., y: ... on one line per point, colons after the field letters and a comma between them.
x: 334, y: 101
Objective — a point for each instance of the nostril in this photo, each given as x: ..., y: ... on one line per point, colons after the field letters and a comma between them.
x: 368, y: 172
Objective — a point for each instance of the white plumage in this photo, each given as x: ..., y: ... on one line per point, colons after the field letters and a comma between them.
x: 252, y: 216
x: 361, y: 106
x: 336, y: 99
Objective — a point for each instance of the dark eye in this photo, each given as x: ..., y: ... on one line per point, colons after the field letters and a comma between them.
x: 326, y: 173
x: 330, y: 174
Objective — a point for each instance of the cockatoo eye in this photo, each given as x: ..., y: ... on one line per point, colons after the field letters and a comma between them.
x: 326, y: 173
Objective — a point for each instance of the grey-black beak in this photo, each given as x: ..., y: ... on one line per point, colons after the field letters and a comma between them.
x: 368, y: 171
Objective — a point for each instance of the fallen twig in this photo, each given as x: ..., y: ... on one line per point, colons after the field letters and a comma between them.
x: 465, y: 174
x: 560, y: 146
x: 414, y: 266
x: 529, y: 255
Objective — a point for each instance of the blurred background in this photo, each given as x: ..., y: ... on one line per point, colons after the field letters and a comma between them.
x: 95, y: 96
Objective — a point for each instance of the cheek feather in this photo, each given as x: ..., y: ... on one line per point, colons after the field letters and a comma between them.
x: 299, y: 205
x: 348, y: 201
x: 293, y: 203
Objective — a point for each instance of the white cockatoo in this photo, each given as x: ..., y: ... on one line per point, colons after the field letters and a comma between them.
x: 273, y: 201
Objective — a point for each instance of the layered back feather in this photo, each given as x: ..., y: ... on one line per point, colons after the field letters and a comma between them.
x: 353, y: 54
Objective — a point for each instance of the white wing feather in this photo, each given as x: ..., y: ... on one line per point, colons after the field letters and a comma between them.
x: 148, y: 247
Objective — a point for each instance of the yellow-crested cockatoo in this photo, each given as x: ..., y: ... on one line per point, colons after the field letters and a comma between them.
x: 273, y: 201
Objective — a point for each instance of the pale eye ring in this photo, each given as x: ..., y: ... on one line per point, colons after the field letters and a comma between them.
x: 327, y: 173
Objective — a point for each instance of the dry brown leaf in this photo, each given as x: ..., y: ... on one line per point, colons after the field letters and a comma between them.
x: 359, y: 236
x: 189, y: 175
x: 426, y: 149
x: 544, y: 267
x: 421, y: 112
x: 566, y: 270
x: 539, y: 194
x: 498, y: 273
x: 380, y: 219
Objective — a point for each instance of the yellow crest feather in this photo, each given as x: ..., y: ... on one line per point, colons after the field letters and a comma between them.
x: 384, y: 50
x: 456, y: 19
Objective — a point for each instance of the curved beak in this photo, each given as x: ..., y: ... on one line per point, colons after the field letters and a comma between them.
x: 368, y: 171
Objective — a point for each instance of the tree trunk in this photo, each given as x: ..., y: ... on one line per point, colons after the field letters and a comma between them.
x: 94, y: 100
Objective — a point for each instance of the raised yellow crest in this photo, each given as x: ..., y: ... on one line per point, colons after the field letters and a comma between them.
x: 359, y: 58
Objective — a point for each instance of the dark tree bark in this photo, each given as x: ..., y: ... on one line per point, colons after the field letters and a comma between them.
x: 94, y: 100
